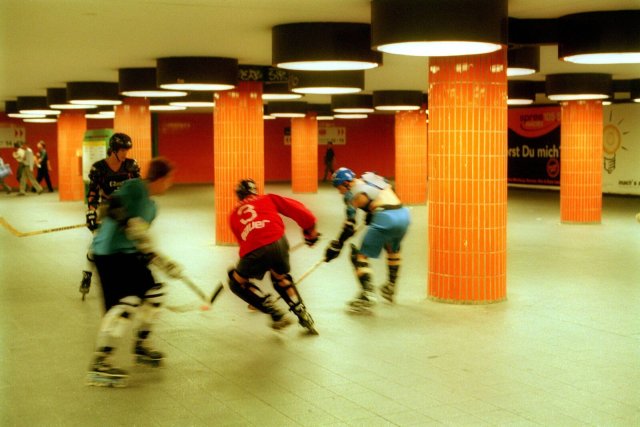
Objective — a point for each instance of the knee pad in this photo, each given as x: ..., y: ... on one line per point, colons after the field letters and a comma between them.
x: 249, y: 293
x: 119, y: 317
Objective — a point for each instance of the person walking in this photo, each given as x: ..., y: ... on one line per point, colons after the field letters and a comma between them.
x: 259, y: 229
x: 123, y: 250
x: 43, y: 165
x: 28, y: 161
x: 329, y: 157
x: 5, y: 171
x: 387, y: 222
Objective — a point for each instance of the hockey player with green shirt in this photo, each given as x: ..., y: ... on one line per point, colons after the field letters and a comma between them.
x: 122, y: 251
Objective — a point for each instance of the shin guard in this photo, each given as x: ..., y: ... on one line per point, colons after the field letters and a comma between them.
x: 363, y: 271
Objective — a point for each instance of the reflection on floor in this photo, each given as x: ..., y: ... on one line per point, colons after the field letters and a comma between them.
x: 563, y: 350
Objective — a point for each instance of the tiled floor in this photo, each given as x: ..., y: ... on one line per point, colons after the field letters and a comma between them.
x: 564, y: 350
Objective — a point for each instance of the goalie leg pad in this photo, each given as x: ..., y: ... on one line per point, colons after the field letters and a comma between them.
x: 150, y: 309
x: 117, y: 321
x: 250, y: 293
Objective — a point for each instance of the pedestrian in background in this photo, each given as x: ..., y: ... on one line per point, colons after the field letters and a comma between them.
x: 43, y: 165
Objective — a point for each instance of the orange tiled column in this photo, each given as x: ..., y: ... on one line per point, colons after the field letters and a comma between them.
x: 581, y: 175
x: 468, y: 178
x: 133, y: 117
x: 238, y: 145
x: 71, y: 128
x: 411, y: 156
x: 304, y: 154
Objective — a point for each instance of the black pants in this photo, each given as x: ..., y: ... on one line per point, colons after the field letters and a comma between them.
x: 123, y: 275
x: 43, y: 173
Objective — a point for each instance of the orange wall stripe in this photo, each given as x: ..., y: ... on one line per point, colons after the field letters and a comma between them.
x: 133, y: 117
x: 581, y: 173
x: 467, y: 162
x: 238, y: 144
x: 71, y: 128
x: 411, y: 156
x: 304, y: 154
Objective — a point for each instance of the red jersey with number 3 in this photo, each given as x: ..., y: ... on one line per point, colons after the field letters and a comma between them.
x: 256, y: 221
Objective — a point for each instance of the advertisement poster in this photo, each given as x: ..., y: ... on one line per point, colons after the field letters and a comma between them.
x: 94, y: 148
x: 10, y: 135
x: 534, y: 146
x: 336, y: 134
x: 621, y: 149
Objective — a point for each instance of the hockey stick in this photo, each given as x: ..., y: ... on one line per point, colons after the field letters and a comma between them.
x: 309, y: 271
x: 34, y: 233
x: 208, y: 301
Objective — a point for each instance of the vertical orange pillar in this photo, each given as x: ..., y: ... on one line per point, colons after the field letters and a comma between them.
x: 581, y: 175
x: 238, y: 148
x: 468, y: 178
x: 133, y: 117
x: 411, y: 156
x: 71, y: 128
x: 304, y: 154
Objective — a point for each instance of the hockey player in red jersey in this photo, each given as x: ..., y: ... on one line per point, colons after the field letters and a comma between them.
x: 259, y: 229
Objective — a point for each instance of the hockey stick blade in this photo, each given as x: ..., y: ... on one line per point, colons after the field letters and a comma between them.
x: 216, y: 293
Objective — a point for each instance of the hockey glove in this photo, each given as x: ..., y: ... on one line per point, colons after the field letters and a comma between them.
x: 311, y: 236
x: 168, y: 267
x: 92, y: 220
x: 348, y: 230
x: 333, y: 250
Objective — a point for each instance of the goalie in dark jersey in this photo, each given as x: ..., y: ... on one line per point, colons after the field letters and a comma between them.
x: 105, y: 177
x: 260, y: 231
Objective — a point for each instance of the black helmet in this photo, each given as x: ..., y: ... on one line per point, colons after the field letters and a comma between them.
x: 119, y: 141
x: 245, y: 188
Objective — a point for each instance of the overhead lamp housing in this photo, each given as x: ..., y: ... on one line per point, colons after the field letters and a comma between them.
x: 93, y: 93
x: 278, y: 92
x: 323, y: 46
x: 291, y: 109
x: 57, y: 100
x: 323, y: 111
x: 611, y: 37
x: 40, y: 120
x: 521, y: 92
x: 578, y: 86
x: 101, y: 113
x: 162, y: 104
x: 142, y: 83
x: 438, y: 28
x: 35, y: 105
x: 358, y: 103
x: 397, y: 100
x: 194, y: 100
x: 350, y: 116
x: 523, y: 61
x: 634, y: 89
x: 197, y: 73
x: 326, y: 82
x: 11, y: 110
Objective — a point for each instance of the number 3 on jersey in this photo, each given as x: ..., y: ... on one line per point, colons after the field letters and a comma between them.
x: 247, y: 214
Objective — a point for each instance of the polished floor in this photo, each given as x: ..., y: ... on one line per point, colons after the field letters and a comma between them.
x: 563, y: 350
